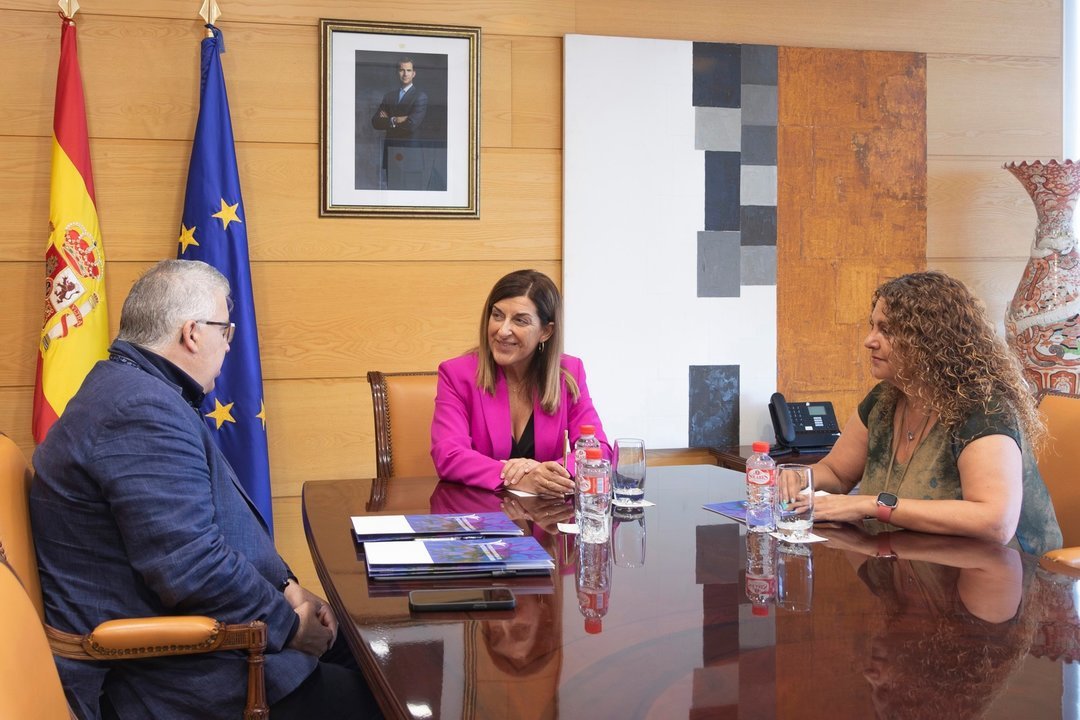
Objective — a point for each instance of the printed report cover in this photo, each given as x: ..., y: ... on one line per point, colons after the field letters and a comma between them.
x: 734, y: 509
x: 376, y: 528
x: 485, y: 557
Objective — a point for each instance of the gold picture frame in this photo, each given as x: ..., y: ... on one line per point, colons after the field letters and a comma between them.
x: 399, y: 132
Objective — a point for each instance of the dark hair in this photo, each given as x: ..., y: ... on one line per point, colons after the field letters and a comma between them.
x: 546, y: 365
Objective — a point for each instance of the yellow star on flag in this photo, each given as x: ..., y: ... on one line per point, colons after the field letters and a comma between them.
x: 262, y: 413
x: 187, y: 238
x: 222, y: 413
x: 227, y: 214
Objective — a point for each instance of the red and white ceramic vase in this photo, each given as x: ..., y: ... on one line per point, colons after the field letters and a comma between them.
x: 1042, y: 323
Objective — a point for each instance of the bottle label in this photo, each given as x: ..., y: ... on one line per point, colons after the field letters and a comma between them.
x: 761, y: 586
x: 594, y: 484
x: 761, y: 476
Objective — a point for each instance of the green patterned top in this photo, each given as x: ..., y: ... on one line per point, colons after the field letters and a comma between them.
x: 932, y: 474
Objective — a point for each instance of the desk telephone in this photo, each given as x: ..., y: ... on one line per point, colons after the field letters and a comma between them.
x: 804, y: 425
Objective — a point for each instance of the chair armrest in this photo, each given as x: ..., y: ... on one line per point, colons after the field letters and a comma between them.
x: 157, y: 637
x: 1064, y: 560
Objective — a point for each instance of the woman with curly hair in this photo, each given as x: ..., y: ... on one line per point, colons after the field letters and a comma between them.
x: 940, y: 445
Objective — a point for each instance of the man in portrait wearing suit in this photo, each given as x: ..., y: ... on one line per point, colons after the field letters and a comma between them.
x: 400, y: 114
x: 137, y: 513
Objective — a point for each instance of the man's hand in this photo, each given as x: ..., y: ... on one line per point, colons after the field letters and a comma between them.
x: 314, y: 636
x: 298, y: 596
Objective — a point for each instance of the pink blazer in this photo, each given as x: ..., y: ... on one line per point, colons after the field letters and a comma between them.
x: 471, y: 434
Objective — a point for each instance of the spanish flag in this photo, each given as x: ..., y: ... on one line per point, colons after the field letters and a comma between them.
x: 75, y: 333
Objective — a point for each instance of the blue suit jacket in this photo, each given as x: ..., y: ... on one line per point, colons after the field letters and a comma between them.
x: 136, y: 513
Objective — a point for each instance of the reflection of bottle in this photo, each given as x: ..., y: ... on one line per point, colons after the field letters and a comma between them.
x: 760, y: 571
x: 593, y: 584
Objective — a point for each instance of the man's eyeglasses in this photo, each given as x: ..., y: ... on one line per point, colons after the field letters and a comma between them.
x: 228, y: 328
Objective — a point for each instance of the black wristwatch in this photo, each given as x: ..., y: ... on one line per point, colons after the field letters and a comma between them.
x: 285, y: 583
x: 886, y: 503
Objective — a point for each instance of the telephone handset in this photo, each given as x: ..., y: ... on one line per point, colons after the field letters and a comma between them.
x: 805, y: 425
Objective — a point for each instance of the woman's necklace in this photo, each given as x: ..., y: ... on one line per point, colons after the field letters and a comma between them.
x: 911, y: 435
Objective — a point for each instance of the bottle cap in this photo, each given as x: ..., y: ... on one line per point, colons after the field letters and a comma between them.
x: 594, y: 626
x: 593, y: 453
x: 588, y: 429
x: 760, y: 610
x: 760, y: 446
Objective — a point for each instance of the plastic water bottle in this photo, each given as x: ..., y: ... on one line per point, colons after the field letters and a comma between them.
x: 586, y: 439
x: 593, y: 582
x: 761, y: 581
x: 594, y: 498
x: 760, y: 489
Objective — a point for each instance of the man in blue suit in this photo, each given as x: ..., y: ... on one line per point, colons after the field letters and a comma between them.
x: 136, y: 513
x: 400, y: 114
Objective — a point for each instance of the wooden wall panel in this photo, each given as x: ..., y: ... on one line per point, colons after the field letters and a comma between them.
x: 496, y: 80
x: 537, y: 92
x: 274, y: 96
x: 509, y: 17
x: 979, y: 105
x: 320, y: 430
x: 850, y: 218
x: 959, y: 26
x: 140, y: 188
x: 977, y: 209
x: 993, y: 280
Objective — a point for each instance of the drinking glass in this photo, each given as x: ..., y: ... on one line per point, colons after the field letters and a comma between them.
x: 628, y: 536
x: 629, y: 472
x: 794, y: 501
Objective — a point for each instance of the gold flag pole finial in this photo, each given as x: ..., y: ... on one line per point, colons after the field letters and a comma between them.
x: 209, y: 12
x: 68, y: 8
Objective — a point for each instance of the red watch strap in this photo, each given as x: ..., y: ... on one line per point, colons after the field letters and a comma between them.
x: 884, y: 513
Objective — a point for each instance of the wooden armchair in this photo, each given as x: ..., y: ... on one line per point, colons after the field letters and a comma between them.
x: 121, y: 639
x: 404, y: 404
x: 1059, y: 461
x: 403, y: 433
x: 29, y: 683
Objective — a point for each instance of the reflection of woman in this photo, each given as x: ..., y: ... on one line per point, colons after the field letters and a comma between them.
x: 503, y: 410
x: 953, y: 628
x: 936, y: 445
x: 517, y: 671
x: 517, y: 660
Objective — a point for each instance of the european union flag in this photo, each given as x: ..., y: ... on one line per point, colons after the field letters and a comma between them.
x: 214, y: 231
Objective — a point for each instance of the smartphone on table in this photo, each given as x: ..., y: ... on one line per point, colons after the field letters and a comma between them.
x: 461, y: 599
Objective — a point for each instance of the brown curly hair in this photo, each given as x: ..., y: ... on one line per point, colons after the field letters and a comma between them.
x: 949, y: 354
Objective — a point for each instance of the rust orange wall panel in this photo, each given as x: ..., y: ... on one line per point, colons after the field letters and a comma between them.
x: 851, y: 208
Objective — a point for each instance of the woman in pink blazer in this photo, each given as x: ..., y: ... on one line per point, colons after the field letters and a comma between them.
x: 503, y: 410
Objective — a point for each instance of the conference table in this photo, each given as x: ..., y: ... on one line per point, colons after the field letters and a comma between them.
x: 865, y: 625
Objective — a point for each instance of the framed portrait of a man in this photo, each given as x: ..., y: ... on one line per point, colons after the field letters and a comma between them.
x: 399, y: 133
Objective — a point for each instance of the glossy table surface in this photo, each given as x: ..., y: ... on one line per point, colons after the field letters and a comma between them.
x: 949, y: 628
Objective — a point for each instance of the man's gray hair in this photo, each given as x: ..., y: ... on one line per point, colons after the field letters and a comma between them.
x: 165, y: 297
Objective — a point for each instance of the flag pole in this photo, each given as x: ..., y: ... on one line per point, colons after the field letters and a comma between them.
x: 68, y: 8
x: 209, y: 12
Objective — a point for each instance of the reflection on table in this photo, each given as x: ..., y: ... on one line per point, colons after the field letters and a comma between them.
x: 974, y: 629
